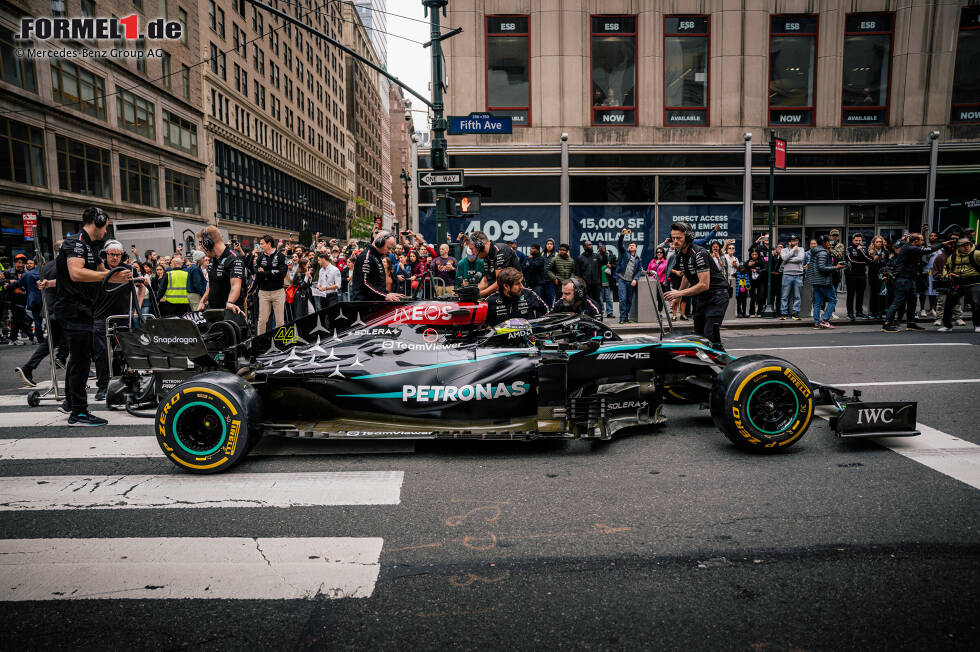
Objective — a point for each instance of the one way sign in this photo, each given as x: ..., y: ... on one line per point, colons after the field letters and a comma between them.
x: 441, y: 179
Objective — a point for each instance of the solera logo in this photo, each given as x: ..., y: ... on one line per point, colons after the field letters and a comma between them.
x: 97, y: 29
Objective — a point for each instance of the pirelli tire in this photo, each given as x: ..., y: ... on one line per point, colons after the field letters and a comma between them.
x: 762, y: 404
x: 207, y: 424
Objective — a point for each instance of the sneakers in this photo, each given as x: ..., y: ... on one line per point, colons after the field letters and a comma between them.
x: 976, y: 329
x: 959, y: 322
x: 24, y: 373
x: 782, y: 318
x: 826, y: 324
x: 100, y: 394
x: 85, y: 418
x: 938, y: 322
x: 851, y: 318
x: 796, y: 316
x: 943, y: 329
x: 65, y: 407
x: 932, y: 313
x: 913, y: 327
x: 922, y: 314
x: 889, y: 328
x: 861, y: 315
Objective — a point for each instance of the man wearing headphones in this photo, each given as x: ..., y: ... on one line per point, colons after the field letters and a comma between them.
x: 106, y: 305
x: 78, y: 270
x: 513, y: 300
x: 574, y: 298
x: 368, y: 280
x: 701, y: 277
x: 225, y: 275
x: 494, y: 260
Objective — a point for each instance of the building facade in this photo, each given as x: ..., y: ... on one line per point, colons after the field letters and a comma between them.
x: 121, y: 132
x: 403, y: 176
x: 632, y: 114
x: 275, y: 119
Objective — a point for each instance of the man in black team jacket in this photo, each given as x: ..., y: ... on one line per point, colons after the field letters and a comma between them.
x: 907, y: 264
x: 494, y: 260
x: 226, y: 277
x: 702, y: 278
x: 513, y: 301
x: 79, y: 270
x: 575, y: 298
x: 368, y: 279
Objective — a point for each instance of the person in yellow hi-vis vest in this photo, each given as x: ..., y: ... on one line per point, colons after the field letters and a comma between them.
x: 173, y: 289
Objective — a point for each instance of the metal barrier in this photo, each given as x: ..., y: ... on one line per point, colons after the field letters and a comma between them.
x: 659, y: 304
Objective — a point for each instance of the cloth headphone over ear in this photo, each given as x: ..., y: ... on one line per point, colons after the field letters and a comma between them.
x: 478, y: 243
x: 381, y: 238
x: 686, y: 228
x: 96, y: 215
x: 579, y: 288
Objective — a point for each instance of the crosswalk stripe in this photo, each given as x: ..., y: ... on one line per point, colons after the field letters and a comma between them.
x: 53, y: 448
x: 79, y: 492
x: 31, y: 418
x: 189, y: 568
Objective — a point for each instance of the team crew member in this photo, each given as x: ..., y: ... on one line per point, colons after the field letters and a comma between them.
x: 494, y: 258
x: 574, y: 298
x: 270, y: 271
x: 702, y: 278
x: 368, y: 282
x: 48, y: 285
x: 173, y: 287
x: 78, y: 271
x: 513, y: 301
x: 963, y: 266
x: 907, y: 264
x: 225, y: 275
x: 106, y: 305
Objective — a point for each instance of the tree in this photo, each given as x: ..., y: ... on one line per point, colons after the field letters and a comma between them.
x: 361, y: 227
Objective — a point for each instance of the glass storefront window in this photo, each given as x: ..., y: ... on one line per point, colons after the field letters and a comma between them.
x: 966, y: 75
x: 792, y: 69
x: 614, y: 70
x: 861, y: 215
x: 686, y: 70
x: 509, y: 68
x: 867, y: 58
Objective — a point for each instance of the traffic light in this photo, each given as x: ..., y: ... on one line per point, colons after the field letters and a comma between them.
x: 469, y: 204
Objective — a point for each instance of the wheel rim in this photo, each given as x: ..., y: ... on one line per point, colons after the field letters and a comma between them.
x: 199, y: 428
x: 773, y: 407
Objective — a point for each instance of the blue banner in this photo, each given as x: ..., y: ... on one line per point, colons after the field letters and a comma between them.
x: 523, y: 224
x: 703, y: 218
x: 479, y: 123
x: 603, y: 225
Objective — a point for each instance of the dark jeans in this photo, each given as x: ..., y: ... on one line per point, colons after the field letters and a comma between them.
x: 19, y: 323
x: 855, y: 293
x: 972, y: 292
x: 329, y: 300
x: 174, y: 309
x: 548, y: 295
x: 42, y: 350
x: 904, y: 289
x: 878, y: 301
x: 78, y: 335
x: 627, y: 292
x: 100, y: 354
x: 710, y: 311
x: 37, y: 312
x: 740, y: 300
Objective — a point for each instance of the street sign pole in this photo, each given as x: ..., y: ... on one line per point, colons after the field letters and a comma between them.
x: 438, y: 149
x: 769, y: 311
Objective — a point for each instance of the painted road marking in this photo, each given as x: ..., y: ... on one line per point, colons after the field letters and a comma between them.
x: 941, y: 452
x: 54, y: 448
x: 909, y: 382
x: 31, y: 418
x: 189, y: 491
x: 174, y: 568
x: 851, y: 346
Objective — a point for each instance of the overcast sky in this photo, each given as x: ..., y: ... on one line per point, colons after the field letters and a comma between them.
x: 407, y: 60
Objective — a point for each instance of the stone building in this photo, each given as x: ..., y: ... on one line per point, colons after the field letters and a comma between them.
x: 634, y: 113
x: 402, y: 129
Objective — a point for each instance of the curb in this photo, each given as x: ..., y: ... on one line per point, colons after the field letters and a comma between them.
x: 748, y: 324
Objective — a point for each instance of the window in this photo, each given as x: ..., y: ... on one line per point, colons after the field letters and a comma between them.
x: 141, y: 55
x: 15, y: 70
x: 212, y: 16
x: 183, y: 192
x: 135, y: 114
x: 21, y: 153
x: 613, y: 70
x: 867, y: 57
x: 686, y: 70
x: 179, y: 133
x: 221, y: 22
x: 792, y: 69
x: 167, y: 72
x: 182, y: 19
x: 138, y: 181
x: 185, y: 81
x: 88, y: 8
x: 84, y: 168
x: 218, y: 61
x: 78, y: 87
x: 966, y: 75
x: 508, y: 68
x: 58, y: 8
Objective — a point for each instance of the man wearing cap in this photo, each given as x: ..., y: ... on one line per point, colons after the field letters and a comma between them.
x: 907, y: 262
x: 963, y: 268
x: 792, y: 286
x: 197, y: 283
x: 15, y: 296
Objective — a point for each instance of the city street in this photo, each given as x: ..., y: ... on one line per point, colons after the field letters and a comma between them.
x: 665, y: 539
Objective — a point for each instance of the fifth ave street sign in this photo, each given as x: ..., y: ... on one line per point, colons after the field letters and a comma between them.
x: 440, y: 179
x: 479, y: 123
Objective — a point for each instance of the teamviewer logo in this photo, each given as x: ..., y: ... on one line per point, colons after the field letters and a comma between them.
x: 98, y: 29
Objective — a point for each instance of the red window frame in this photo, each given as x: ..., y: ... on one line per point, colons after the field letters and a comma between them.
x: 636, y: 76
x: 968, y: 28
x: 486, y: 64
x: 815, y: 35
x: 891, y: 46
x: 707, y: 87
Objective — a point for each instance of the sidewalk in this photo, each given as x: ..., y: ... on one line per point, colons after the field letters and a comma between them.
x: 805, y: 321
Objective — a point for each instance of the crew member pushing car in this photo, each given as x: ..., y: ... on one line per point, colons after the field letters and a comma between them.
x: 574, y: 298
x: 225, y: 275
x: 701, y: 277
x: 513, y: 300
x: 368, y: 279
x: 495, y: 259
x: 78, y: 271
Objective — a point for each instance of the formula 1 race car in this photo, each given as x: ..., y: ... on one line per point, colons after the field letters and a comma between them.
x: 421, y: 377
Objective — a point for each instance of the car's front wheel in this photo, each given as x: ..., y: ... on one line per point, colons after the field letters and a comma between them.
x: 761, y: 403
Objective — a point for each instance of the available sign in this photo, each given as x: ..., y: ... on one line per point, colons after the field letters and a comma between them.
x: 30, y: 223
x: 479, y: 123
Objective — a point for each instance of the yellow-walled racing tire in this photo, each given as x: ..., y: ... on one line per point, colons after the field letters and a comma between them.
x: 206, y: 424
x: 762, y: 404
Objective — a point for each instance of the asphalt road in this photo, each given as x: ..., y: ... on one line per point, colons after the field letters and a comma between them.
x: 667, y: 540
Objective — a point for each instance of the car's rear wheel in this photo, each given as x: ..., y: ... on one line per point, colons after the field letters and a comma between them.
x: 761, y: 403
x: 204, y: 425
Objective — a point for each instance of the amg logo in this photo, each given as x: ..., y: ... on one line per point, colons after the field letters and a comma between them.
x: 433, y: 393
x: 623, y: 355
x: 627, y: 405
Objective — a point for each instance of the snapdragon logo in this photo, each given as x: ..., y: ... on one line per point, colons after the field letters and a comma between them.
x: 174, y: 340
x: 437, y: 393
